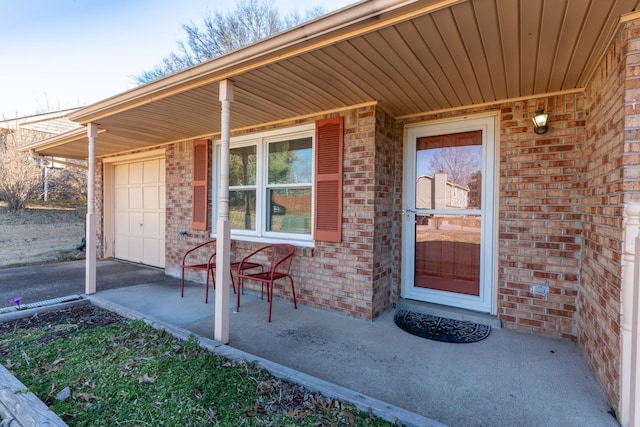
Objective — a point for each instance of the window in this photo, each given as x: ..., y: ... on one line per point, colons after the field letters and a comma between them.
x: 270, y: 184
x: 242, y: 187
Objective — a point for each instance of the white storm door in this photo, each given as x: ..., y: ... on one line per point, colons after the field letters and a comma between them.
x: 140, y: 211
x: 449, y: 213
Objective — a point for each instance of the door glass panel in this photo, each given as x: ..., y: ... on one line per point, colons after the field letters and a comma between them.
x: 447, y: 253
x: 449, y: 171
x: 447, y: 242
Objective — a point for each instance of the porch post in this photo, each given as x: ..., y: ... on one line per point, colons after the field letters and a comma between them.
x: 90, y: 234
x: 629, y: 353
x: 223, y: 246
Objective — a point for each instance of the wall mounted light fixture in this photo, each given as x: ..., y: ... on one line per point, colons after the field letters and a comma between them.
x: 540, y: 122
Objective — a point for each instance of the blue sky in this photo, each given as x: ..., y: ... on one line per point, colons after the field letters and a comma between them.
x: 59, y: 54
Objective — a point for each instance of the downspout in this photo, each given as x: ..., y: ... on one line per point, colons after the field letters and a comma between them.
x: 223, y: 243
x: 91, y: 235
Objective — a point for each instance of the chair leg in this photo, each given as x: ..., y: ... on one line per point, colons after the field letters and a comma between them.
x: 270, y: 298
x: 206, y: 292
x: 182, y: 291
x: 293, y: 292
x: 240, y: 284
x: 233, y: 284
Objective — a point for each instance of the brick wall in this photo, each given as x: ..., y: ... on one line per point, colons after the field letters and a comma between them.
x: 341, y: 276
x: 353, y: 277
x: 611, y: 180
x: 540, y: 219
x: 387, y: 217
x: 178, y: 180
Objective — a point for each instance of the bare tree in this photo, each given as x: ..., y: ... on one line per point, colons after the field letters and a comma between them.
x: 68, y: 183
x: 251, y: 21
x: 23, y: 178
x: 461, y: 164
x: 20, y: 176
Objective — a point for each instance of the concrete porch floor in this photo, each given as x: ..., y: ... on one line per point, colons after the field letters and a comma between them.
x: 510, y: 378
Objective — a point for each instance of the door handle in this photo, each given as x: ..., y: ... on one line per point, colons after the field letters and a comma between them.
x: 408, y: 213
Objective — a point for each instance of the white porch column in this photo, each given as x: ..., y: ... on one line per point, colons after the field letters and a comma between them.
x: 628, y: 411
x: 91, y: 239
x: 223, y: 246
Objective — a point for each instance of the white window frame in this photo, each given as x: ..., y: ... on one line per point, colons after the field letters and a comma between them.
x: 261, y: 141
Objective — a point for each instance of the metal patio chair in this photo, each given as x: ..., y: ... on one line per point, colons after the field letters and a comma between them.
x: 194, y: 259
x: 279, y: 257
x: 198, y: 254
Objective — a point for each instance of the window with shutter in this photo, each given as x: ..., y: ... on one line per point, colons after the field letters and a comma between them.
x: 328, y: 180
x: 200, y: 185
x: 286, y: 184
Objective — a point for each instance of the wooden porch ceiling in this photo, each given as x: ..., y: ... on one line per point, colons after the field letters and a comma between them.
x: 410, y: 57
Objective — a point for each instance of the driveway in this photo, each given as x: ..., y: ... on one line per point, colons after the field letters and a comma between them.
x: 51, y: 281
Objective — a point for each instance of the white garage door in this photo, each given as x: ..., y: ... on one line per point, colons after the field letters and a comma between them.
x: 139, y: 225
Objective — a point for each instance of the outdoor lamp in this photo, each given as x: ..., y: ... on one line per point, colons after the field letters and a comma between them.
x: 540, y: 122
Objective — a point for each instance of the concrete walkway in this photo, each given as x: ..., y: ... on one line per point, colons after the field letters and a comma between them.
x: 508, y: 379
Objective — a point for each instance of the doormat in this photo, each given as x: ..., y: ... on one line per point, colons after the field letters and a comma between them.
x: 441, y: 329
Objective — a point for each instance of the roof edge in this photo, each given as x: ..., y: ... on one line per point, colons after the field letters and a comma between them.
x: 34, y: 118
x: 324, y: 30
x: 57, y: 140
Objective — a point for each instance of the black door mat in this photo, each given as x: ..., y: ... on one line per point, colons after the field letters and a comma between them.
x: 441, y: 329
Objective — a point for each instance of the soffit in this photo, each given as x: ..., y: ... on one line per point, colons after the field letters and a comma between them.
x: 410, y: 58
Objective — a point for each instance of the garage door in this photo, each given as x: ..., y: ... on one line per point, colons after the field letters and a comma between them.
x: 139, y: 226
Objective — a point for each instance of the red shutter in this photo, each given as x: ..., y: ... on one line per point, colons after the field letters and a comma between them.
x: 200, y: 185
x: 328, y: 180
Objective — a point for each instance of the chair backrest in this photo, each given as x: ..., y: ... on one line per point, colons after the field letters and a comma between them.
x: 204, y: 251
x: 281, y: 257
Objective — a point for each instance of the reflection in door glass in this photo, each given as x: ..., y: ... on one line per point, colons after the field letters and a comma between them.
x: 448, y: 253
x: 449, y: 171
x: 448, y: 180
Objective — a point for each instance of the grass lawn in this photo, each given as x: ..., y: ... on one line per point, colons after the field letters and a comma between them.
x: 93, y: 367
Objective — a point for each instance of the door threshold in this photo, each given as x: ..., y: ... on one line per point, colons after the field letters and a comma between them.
x: 449, y: 312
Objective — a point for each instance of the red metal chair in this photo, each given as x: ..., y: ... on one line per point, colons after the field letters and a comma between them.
x: 198, y: 254
x: 279, y: 257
